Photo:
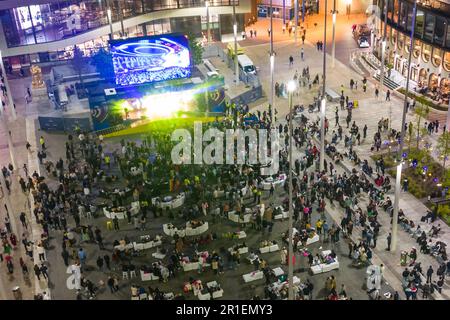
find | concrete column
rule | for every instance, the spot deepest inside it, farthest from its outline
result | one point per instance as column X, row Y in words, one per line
column 296, row 20
column 447, row 127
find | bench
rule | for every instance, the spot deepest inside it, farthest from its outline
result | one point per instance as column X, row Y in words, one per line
column 332, row 95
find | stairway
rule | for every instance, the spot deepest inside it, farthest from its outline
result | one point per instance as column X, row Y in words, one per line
column 388, row 82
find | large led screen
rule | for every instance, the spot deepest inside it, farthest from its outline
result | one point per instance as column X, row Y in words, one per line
column 150, row 59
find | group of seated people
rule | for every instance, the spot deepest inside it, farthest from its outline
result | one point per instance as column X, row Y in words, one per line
column 320, row 259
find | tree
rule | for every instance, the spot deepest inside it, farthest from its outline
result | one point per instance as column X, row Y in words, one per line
column 196, row 49
column 102, row 61
column 78, row 63
column 421, row 112
column 443, row 146
column 410, row 133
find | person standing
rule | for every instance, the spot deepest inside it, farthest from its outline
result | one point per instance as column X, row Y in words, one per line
column 100, row 263
column 116, row 223
column 389, row 239
column 430, row 272
column 107, row 261
column 65, row 256
column 302, row 54
column 388, row 95
column 37, row 271
column 42, row 142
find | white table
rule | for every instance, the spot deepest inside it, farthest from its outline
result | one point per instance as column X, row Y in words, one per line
column 196, row 231
column 172, row 231
column 278, row 182
column 242, row 235
column 147, row 276
column 235, row 217
column 272, row 248
column 206, row 296
column 325, row 267
column 243, row 250
column 278, row 271
column 158, row 255
column 110, row 214
column 252, row 276
column 175, row 202
column 125, row 247
column 216, row 294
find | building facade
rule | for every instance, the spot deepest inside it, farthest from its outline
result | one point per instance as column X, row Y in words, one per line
column 45, row 31
column 430, row 64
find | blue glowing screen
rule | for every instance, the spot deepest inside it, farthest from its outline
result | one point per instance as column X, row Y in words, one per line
column 150, row 59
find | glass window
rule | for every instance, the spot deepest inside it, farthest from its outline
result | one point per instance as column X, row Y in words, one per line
column 410, row 18
column 407, row 43
column 403, row 15
column 417, row 45
column 426, row 52
column 437, row 57
column 420, row 19
column 394, row 36
column 396, row 11
column 429, row 27
column 447, row 42
column 446, row 63
column 390, row 9
column 400, row 42
column 439, row 31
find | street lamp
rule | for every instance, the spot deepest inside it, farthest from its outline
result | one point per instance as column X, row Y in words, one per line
column 208, row 36
column 296, row 20
column 395, row 213
column 291, row 87
column 322, row 129
column 349, row 4
column 272, row 66
column 110, row 23
column 236, row 65
column 333, row 49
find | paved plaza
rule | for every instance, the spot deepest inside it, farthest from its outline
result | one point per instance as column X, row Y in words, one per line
column 369, row 112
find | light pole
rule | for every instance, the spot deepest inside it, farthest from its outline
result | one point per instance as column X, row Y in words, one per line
column 236, row 64
column 272, row 66
column 402, row 136
column 323, row 103
column 333, row 49
column 291, row 88
column 108, row 11
column 349, row 8
column 383, row 49
column 296, row 21
column 208, row 35
column 8, row 90
column 395, row 213
column 405, row 102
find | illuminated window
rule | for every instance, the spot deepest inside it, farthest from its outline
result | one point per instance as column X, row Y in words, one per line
column 417, row 45
column 437, row 57
column 446, row 63
column 426, row 52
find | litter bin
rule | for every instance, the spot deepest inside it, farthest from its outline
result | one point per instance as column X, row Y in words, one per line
column 17, row 293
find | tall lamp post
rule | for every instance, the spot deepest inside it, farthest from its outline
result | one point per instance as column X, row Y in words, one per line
column 349, row 8
column 296, row 20
column 291, row 88
column 333, row 49
column 402, row 137
column 272, row 66
column 236, row 64
column 108, row 11
column 208, row 34
column 8, row 90
column 383, row 50
column 323, row 103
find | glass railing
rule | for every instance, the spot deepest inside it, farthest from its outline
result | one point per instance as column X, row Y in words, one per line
column 51, row 22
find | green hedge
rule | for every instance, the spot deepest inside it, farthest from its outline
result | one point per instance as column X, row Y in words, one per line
column 423, row 100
